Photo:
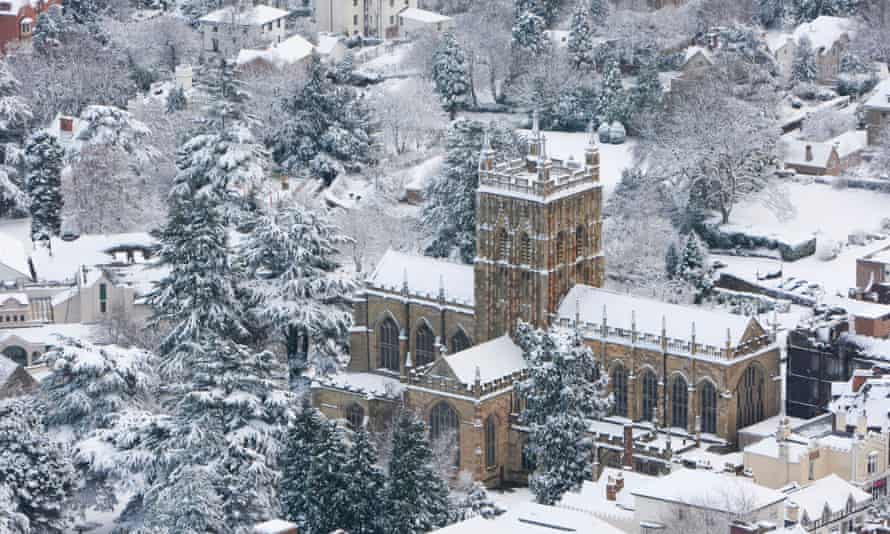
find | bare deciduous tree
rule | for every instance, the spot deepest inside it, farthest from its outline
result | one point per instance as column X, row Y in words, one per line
column 410, row 117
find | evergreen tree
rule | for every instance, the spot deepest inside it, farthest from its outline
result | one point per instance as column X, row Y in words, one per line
column 15, row 114
column 449, row 213
column 529, row 38
column 48, row 31
column 693, row 266
column 228, row 415
column 176, row 100
column 477, row 502
column 114, row 127
column 580, row 44
column 343, row 71
column 770, row 12
column 564, row 390
column 365, row 486
column 291, row 253
column 85, row 12
column 416, row 496
column 672, row 261
column 11, row 521
column 43, row 159
column 302, row 439
column 189, row 505
column 326, row 128
column 450, row 73
column 36, row 469
column 803, row 65
column 612, row 105
column 599, row 12
column 647, row 95
column 327, row 482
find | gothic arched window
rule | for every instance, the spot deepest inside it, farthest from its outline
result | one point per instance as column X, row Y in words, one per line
column 424, row 345
column 444, row 423
column 355, row 416
column 708, row 409
column 679, row 402
column 580, row 241
column 503, row 246
column 525, row 249
column 619, row 390
column 750, row 397
column 459, row 341
column 388, row 344
column 491, row 441
column 650, row 394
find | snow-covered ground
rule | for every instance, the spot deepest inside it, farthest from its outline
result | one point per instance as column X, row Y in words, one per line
column 816, row 209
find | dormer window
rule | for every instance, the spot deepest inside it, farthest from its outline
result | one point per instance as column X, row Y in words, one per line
column 26, row 25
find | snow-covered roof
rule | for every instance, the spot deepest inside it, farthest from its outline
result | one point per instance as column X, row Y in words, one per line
column 18, row 299
column 274, row 526
column 16, row 5
column 795, row 152
column 770, row 447
column 880, row 97
column 12, row 255
column 327, row 43
column 621, row 310
column 777, row 39
column 63, row 259
column 859, row 308
column 707, row 489
column 533, row 518
column 831, row 491
column 768, row 426
column 424, row 277
column 422, row 15
column 824, row 31
column 48, row 334
column 591, row 497
column 251, row 16
column 871, row 401
column 493, row 359
column 693, row 51
column 292, row 50
column 370, row 384
column 7, row 367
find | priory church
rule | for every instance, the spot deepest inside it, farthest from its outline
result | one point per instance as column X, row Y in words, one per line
column 432, row 335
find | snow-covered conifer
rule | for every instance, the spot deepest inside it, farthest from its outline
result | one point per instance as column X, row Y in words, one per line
column 564, row 390
column 580, row 43
column 672, row 260
column 770, row 12
column 296, row 461
column 36, row 469
column 477, row 502
column 612, row 104
column 14, row 110
column 416, row 496
column 176, row 100
column 365, row 486
column 111, row 126
column 291, row 255
column 693, row 265
column 450, row 210
column 325, row 129
column 647, row 95
column 450, row 73
column 803, row 65
column 43, row 159
column 11, row 520
column 344, row 68
column 190, row 504
column 528, row 34
column 599, row 12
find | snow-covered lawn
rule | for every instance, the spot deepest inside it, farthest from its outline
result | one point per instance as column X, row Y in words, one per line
column 613, row 158
column 818, row 209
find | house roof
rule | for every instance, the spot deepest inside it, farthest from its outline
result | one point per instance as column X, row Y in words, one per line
column 621, row 309
column 424, row 276
column 422, row 15
column 46, row 334
column 844, row 144
column 251, row 16
column 327, row 43
column 19, row 298
column 16, row 5
column 63, row 259
column 292, row 50
column 707, row 489
column 770, row 448
column 880, row 97
column 824, row 31
column 831, row 491
column 533, row 518
column 591, row 497
column 693, row 51
column 493, row 359
column 12, row 255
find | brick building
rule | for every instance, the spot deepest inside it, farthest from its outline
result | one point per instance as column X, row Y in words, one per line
column 18, row 19
column 433, row 335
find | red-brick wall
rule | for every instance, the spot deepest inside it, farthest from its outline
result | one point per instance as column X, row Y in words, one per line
column 10, row 26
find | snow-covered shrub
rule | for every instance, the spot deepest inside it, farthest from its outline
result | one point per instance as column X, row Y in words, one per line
column 805, row 90
column 840, row 183
column 858, row 237
column 827, row 249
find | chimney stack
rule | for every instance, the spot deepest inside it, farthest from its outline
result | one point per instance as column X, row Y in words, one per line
column 619, row 482
column 611, row 490
column 808, row 155
column 628, row 460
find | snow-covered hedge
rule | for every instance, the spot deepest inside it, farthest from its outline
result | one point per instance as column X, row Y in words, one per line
column 718, row 237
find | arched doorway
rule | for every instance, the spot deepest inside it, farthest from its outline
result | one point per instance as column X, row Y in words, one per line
column 16, row 354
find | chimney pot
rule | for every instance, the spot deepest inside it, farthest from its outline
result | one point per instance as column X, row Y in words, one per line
column 809, row 153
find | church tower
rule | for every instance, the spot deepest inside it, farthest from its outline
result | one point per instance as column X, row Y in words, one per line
column 538, row 233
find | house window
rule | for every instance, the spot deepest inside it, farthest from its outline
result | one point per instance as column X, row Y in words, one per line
column 491, row 441
column 424, row 346
column 355, row 20
column 103, row 298
column 278, row 23
column 388, row 345
column 26, row 26
column 811, row 470
column 355, row 416
column 872, row 463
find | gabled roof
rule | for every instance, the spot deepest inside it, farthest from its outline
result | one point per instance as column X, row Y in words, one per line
column 422, row 15
column 831, row 492
column 292, row 50
column 710, row 325
column 493, row 359
column 251, row 16
column 425, row 276
column 710, row 490
column 533, row 518
column 880, row 97
column 12, row 255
